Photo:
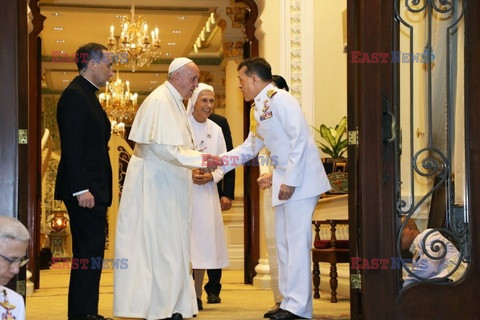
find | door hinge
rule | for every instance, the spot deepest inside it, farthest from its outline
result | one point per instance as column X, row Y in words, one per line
column 21, row 287
column 22, row 136
column 356, row 281
column 353, row 138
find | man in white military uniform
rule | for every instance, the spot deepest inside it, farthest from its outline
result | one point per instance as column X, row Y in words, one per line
column 298, row 180
column 153, row 228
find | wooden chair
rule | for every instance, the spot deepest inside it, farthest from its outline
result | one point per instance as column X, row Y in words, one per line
column 332, row 251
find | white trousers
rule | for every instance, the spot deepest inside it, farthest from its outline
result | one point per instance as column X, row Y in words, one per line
column 269, row 223
column 293, row 232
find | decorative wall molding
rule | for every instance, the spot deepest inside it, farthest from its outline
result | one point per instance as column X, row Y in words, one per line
column 301, row 48
column 233, row 49
column 295, row 37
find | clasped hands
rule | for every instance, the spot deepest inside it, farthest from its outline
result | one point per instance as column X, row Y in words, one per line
column 265, row 181
column 201, row 176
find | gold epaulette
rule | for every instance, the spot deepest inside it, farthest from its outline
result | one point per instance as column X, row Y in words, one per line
column 271, row 93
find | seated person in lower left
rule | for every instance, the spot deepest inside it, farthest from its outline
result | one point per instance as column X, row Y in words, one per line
column 14, row 239
column 437, row 264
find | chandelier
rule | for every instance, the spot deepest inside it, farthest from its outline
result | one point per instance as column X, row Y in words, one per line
column 135, row 47
column 119, row 104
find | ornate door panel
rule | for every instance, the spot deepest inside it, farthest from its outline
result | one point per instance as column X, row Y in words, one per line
column 414, row 99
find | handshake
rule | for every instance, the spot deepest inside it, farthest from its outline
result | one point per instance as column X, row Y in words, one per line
column 211, row 162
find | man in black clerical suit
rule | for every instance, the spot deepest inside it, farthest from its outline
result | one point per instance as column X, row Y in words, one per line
column 226, row 189
column 84, row 178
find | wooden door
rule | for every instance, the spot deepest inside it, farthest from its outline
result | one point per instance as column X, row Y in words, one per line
column 375, row 96
column 13, row 116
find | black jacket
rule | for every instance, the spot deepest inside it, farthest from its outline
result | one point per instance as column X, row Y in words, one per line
column 84, row 133
column 226, row 186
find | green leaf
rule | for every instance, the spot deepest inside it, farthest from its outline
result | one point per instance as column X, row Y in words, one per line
column 343, row 144
column 327, row 135
column 327, row 150
column 341, row 129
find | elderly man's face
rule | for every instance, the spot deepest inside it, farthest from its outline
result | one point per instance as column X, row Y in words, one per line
column 187, row 80
column 11, row 250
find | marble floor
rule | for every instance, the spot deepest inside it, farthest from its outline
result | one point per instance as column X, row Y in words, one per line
column 239, row 301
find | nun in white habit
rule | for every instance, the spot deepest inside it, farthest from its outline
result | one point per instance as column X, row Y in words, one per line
column 208, row 245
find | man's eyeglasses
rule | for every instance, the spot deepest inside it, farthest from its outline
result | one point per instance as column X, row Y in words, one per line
column 21, row 261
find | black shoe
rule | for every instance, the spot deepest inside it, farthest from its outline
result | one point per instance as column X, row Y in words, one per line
column 199, row 304
column 285, row 315
column 213, row 298
column 274, row 310
column 175, row 316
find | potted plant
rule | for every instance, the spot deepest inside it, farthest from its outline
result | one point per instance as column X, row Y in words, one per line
column 335, row 146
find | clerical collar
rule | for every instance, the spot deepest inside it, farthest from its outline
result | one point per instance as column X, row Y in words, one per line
column 93, row 84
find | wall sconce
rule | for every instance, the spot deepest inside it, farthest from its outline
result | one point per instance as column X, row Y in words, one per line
column 58, row 222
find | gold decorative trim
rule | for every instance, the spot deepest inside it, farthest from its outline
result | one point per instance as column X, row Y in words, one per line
column 236, row 15
column 233, row 49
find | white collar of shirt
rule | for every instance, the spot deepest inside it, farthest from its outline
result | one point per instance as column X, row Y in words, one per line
column 90, row 82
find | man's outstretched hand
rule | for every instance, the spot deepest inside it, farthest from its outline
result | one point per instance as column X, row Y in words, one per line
column 211, row 162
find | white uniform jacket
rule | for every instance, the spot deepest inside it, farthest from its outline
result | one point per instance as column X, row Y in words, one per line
column 283, row 129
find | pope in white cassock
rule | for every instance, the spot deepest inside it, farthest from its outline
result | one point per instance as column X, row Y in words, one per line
column 154, row 215
column 208, row 245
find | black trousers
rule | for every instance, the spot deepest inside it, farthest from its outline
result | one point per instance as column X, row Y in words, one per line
column 88, row 242
column 213, row 286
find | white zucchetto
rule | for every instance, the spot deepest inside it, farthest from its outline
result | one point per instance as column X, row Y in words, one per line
column 177, row 63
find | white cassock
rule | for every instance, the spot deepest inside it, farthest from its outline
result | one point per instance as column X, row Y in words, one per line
column 208, row 245
column 285, row 132
column 154, row 215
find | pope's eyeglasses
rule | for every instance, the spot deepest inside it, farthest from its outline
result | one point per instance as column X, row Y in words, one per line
column 21, row 261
